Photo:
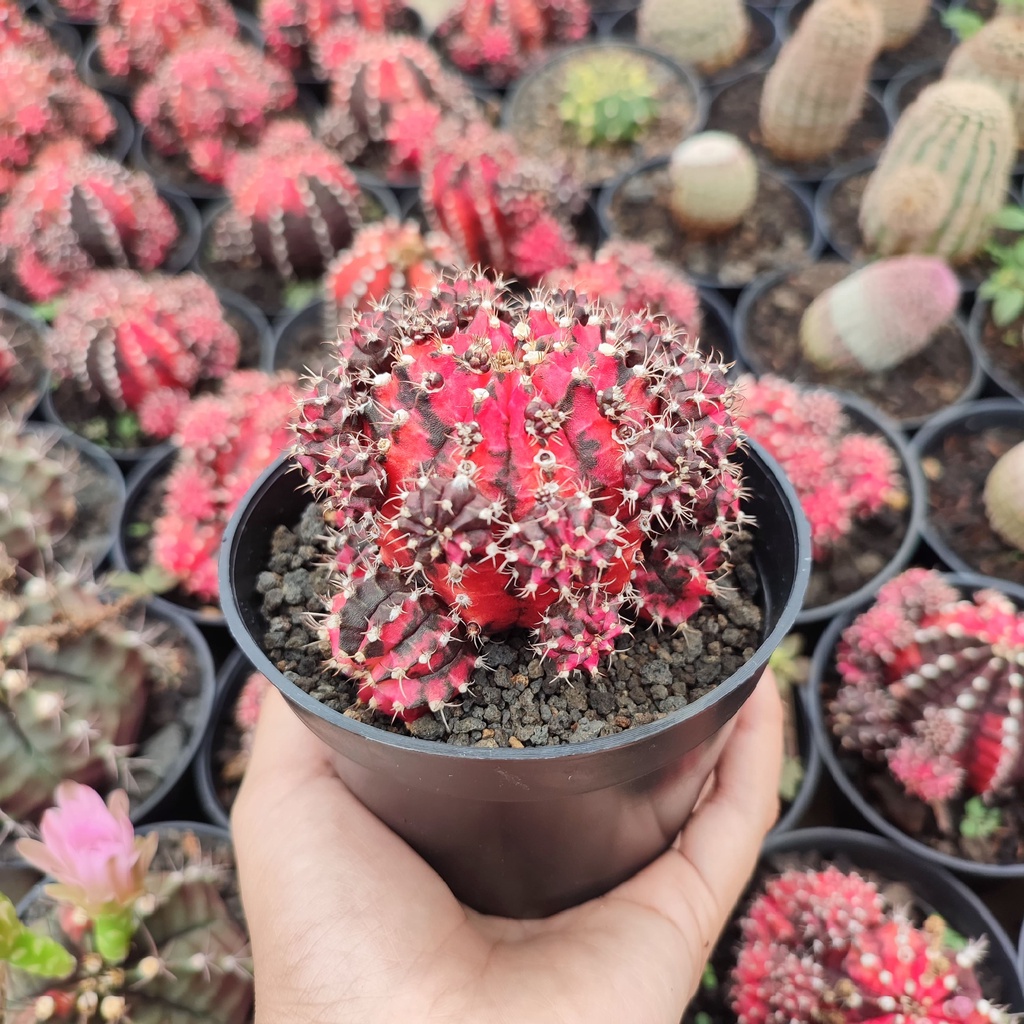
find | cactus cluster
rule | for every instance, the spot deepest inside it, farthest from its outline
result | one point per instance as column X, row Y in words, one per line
column 1004, row 497
column 76, row 211
column 932, row 685
column 880, row 315
column 495, row 461
column 714, row 179
column 711, row 36
column 210, row 98
column 826, row 946
column 224, row 442
column 840, row 476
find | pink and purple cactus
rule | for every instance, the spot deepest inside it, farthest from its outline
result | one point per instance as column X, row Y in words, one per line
column 496, row 461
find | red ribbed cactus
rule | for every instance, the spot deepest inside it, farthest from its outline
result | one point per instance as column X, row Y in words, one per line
column 210, row 98
column 131, row 340
column 495, row 461
column 839, row 476
column 76, row 211
column 825, row 946
column 294, row 204
column 932, row 684
column 17, row 30
column 497, row 39
column 136, row 35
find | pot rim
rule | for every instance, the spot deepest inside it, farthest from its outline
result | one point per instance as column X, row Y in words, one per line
column 975, row 326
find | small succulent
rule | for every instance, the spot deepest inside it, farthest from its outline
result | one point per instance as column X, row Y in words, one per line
column 714, row 179
column 1004, row 497
column 1004, row 287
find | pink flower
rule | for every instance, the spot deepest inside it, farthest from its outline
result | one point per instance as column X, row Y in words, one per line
column 91, row 849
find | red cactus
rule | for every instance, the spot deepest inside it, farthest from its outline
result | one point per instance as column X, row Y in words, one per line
column 385, row 259
column 42, row 100
column 224, row 442
column 824, row 946
column 840, row 477
column 502, row 211
column 127, row 339
column 211, row 98
column 294, row 204
column 497, row 39
column 77, row 211
column 249, row 702
column 629, row 276
column 933, row 685
column 136, row 35
column 498, row 461
column 17, row 30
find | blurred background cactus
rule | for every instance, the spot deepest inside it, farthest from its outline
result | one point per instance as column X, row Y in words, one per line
column 711, row 36
column 901, row 20
column 1004, row 497
column 714, row 179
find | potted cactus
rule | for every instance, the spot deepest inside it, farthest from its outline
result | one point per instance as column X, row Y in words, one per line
column 23, row 372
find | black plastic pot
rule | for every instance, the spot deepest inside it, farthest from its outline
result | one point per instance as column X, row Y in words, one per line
column 66, row 38
column 900, row 90
column 23, row 404
column 751, row 360
column 190, row 227
column 793, row 815
column 53, row 14
column 526, row 833
column 815, row 245
column 969, row 418
column 1001, row 381
column 290, row 329
column 717, row 317
column 17, row 878
column 121, row 142
column 194, row 187
column 920, row 852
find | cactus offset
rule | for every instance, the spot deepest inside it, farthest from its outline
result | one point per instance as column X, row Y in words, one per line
column 933, row 685
column 127, row 340
column 711, row 36
column 497, row 461
column 714, row 180
column 224, row 442
column 815, row 90
column 76, row 211
column 384, row 259
column 1004, row 497
column 880, row 315
column 930, row 192
column 825, row 946
column 840, row 477
column 498, row 39
column 211, row 98
column 901, row 20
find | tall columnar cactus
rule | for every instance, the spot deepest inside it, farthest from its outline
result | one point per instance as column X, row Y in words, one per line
column 826, row 946
column 901, row 20
column 134, row 341
column 76, row 211
column 496, row 461
column 628, row 276
column 143, row 924
column 1004, row 497
column 497, row 39
column 710, row 36
column 714, row 180
column 384, row 259
column 42, row 100
column 224, row 442
column 375, row 82
column 210, row 98
column 943, row 175
column 815, row 90
column 880, row 315
column 932, row 685
column 294, row 204
column 840, row 476
column 502, row 210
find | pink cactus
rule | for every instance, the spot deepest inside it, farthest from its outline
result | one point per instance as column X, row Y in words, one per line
column 18, row 31
column 499, row 461
column 76, row 211
column 248, row 704
column 932, row 684
column 211, row 98
column 840, row 477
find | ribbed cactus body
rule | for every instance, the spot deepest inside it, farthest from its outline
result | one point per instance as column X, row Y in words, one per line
column 1004, row 497
column 714, row 182
column 815, row 90
column 710, row 35
column 944, row 174
column 901, row 20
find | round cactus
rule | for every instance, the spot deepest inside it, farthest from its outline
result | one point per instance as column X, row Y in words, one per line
column 714, row 181
column 711, row 36
column 1004, row 497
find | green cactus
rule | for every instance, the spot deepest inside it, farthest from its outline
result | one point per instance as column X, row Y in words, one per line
column 1004, row 497
column 901, row 20
column 714, row 182
column 711, row 34
column 816, row 88
column 607, row 97
column 943, row 177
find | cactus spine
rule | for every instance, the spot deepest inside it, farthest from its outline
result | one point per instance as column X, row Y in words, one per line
column 714, row 182
column 815, row 90
column 1004, row 497
column 944, row 174
column 712, row 36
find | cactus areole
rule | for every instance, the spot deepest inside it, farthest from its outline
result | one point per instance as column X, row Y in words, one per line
column 497, row 462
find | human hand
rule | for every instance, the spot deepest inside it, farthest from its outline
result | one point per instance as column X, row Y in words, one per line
column 350, row 926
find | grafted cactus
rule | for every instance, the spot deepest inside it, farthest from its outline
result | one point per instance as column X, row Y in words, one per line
column 710, row 36
column 930, row 193
column 901, row 20
column 18, row 31
column 211, row 98
column 1004, row 497
column 815, row 90
column 76, row 211
column 714, row 180
column 495, row 461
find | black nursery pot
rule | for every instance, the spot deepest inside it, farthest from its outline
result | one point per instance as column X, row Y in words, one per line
column 190, row 230
column 120, row 144
column 292, row 340
column 1004, row 382
column 37, row 379
column 921, row 854
column 526, row 833
column 192, row 185
column 716, row 329
column 793, row 815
